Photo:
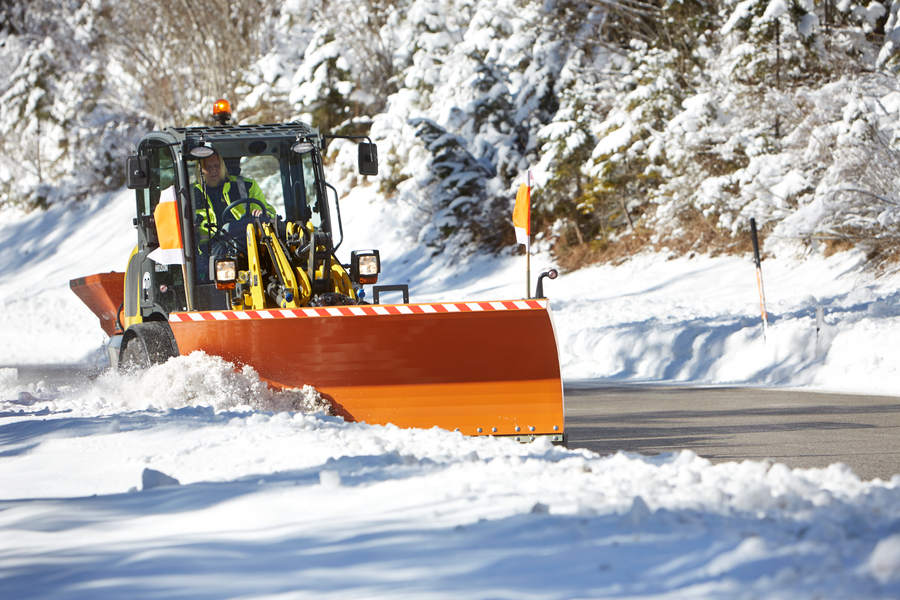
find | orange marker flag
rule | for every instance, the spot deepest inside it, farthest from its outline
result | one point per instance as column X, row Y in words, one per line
column 522, row 214
column 171, row 246
column 522, row 224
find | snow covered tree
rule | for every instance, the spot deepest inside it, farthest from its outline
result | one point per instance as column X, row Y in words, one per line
column 326, row 84
column 457, row 188
column 31, row 139
column 176, row 59
column 60, row 129
column 630, row 66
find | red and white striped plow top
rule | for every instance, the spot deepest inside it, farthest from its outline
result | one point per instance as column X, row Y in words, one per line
column 358, row 310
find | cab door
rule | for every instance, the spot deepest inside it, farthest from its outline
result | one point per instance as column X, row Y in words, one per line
column 153, row 290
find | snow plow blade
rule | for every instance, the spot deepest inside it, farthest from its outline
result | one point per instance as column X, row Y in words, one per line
column 482, row 368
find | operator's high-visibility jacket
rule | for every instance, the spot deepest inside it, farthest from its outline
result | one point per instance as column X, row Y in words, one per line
column 208, row 207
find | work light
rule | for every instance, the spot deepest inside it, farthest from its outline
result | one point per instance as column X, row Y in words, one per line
column 365, row 265
column 225, row 271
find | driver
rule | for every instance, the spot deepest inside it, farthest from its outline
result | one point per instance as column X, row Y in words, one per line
column 220, row 190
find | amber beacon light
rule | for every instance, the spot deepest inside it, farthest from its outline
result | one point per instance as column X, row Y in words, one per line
column 222, row 112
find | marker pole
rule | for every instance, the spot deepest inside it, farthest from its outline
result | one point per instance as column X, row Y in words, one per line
column 528, row 271
column 529, row 181
column 759, row 278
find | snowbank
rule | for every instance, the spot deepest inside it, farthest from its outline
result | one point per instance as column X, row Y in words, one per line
column 102, row 499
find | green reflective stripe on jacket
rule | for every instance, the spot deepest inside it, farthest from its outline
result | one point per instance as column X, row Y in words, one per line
column 253, row 191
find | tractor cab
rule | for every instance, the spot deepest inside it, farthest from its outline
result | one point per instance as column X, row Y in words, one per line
column 265, row 183
column 262, row 234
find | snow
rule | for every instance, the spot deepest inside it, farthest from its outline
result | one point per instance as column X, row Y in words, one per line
column 195, row 480
column 191, row 480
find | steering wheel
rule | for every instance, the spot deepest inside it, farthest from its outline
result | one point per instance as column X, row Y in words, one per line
column 222, row 235
column 227, row 214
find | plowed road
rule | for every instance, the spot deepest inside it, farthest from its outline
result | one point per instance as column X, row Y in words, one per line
column 799, row 429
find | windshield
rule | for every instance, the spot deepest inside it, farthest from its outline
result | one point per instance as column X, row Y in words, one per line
column 275, row 176
column 260, row 177
column 266, row 172
column 245, row 180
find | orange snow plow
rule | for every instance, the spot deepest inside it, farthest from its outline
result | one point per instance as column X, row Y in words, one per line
column 254, row 277
column 481, row 368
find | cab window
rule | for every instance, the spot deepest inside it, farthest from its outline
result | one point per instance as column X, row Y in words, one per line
column 311, row 193
column 162, row 177
column 266, row 172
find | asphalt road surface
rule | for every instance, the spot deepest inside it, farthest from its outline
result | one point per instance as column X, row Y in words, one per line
column 799, row 429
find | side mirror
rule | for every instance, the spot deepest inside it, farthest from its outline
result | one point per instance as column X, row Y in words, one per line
column 137, row 172
column 368, row 159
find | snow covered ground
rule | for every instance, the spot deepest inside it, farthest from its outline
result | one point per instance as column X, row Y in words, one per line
column 171, row 485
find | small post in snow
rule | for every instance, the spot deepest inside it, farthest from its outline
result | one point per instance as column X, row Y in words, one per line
column 759, row 278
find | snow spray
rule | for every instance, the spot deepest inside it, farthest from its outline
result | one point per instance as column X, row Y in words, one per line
column 759, row 279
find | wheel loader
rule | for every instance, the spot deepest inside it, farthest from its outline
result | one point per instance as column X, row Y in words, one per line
column 264, row 286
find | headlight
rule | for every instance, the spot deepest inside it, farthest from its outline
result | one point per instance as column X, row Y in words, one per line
column 225, row 273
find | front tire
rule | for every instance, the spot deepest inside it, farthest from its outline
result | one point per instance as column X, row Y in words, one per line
column 145, row 345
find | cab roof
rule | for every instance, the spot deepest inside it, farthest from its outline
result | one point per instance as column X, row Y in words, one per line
column 234, row 132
